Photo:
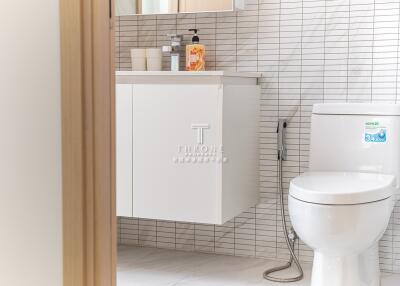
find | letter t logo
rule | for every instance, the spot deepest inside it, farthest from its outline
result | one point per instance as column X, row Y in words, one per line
column 200, row 128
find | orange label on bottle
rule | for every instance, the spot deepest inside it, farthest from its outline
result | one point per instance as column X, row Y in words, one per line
column 195, row 57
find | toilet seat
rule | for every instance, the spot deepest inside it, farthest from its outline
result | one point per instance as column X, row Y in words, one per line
column 342, row 188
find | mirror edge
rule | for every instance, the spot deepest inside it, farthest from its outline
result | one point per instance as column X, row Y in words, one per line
column 237, row 5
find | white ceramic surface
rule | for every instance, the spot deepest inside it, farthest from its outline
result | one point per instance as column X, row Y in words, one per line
column 338, row 142
column 342, row 187
column 341, row 217
column 344, row 239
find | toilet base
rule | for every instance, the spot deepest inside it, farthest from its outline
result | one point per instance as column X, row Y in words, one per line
column 351, row 270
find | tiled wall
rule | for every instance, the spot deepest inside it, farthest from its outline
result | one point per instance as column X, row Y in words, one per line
column 308, row 51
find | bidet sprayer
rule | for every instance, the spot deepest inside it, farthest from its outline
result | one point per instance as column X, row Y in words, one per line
column 281, row 130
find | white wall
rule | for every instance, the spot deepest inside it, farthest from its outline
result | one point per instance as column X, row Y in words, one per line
column 30, row 142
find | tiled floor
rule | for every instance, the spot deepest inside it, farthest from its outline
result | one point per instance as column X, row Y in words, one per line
column 159, row 267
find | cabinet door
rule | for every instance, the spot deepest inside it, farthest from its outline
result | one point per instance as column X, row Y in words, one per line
column 168, row 122
column 124, row 149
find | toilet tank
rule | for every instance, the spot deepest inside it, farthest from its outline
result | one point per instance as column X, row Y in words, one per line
column 358, row 137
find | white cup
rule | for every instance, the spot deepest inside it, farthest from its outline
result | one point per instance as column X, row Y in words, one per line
column 153, row 52
column 138, row 58
column 154, row 64
column 138, row 53
column 154, row 59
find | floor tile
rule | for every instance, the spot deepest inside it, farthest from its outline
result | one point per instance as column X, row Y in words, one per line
column 139, row 266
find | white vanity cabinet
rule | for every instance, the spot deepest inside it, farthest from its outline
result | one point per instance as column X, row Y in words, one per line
column 187, row 145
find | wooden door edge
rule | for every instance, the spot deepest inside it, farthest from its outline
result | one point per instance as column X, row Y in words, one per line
column 87, row 85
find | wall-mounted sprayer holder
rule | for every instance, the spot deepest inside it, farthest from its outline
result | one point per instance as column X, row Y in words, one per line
column 281, row 130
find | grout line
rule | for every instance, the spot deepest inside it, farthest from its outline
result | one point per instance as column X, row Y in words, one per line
column 276, row 162
column 236, row 41
column 139, row 231
column 373, row 50
column 258, row 50
column 348, row 53
column 324, row 67
column 397, row 54
column 300, row 107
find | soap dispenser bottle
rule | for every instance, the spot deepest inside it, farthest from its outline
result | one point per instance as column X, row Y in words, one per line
column 195, row 54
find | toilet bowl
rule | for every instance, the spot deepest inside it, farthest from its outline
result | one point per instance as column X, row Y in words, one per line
column 342, row 216
column 342, row 205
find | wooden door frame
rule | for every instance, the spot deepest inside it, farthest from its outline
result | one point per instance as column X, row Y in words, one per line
column 87, row 98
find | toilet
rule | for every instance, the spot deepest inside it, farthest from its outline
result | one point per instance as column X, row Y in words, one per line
column 341, row 207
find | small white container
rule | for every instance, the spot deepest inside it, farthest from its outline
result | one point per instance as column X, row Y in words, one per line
column 154, row 59
column 138, row 58
column 153, row 52
column 138, row 53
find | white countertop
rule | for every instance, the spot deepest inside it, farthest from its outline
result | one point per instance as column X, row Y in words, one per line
column 187, row 73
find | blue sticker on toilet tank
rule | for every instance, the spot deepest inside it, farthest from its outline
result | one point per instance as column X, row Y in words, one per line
column 375, row 132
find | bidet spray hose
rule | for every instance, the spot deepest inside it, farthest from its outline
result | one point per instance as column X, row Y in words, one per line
column 289, row 243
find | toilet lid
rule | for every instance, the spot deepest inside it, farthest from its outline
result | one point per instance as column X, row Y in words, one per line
column 342, row 187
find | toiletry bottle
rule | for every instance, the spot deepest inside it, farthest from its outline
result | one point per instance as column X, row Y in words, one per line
column 195, row 54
